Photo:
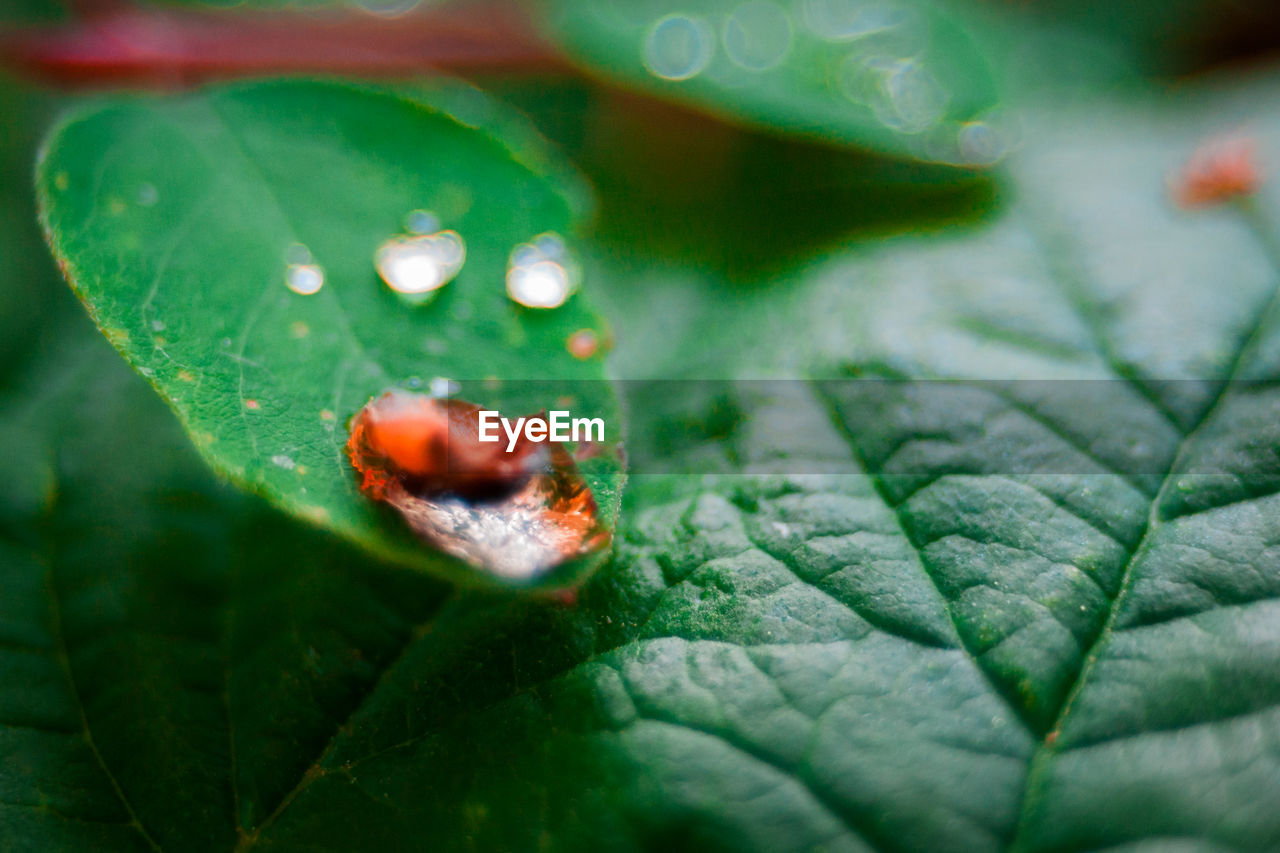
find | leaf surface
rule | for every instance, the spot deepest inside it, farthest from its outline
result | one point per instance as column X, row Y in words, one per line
column 176, row 221
column 975, row 619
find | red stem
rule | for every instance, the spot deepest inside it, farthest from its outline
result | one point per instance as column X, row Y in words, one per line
column 114, row 45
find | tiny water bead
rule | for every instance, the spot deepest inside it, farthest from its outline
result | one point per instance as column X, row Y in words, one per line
column 421, row 222
column 416, row 267
column 848, row 20
column 902, row 93
column 301, row 274
column 678, row 47
column 515, row 514
column 541, row 273
column 305, row 279
column 757, row 35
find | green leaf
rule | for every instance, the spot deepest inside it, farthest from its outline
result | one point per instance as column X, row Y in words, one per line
column 173, row 220
column 943, row 651
column 903, row 80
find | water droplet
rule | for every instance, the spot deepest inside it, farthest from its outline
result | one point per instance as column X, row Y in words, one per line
column 541, row 273
column 980, row 143
column 282, row 461
column 513, row 514
column 148, row 195
column 846, row 20
column 299, row 329
column 421, row 222
column 296, row 253
column 388, row 8
column 901, row 92
column 252, row 405
column 416, row 267
column 158, row 326
column 678, row 47
column 306, row 279
column 326, row 415
column 442, row 387
column 757, row 35
column 583, row 344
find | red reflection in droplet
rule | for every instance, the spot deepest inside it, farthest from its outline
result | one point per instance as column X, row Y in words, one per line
column 1219, row 170
column 516, row 514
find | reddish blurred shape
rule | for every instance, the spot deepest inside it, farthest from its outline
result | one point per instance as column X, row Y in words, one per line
column 154, row 47
column 1220, row 169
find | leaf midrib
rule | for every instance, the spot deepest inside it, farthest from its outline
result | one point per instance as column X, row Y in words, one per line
column 1046, row 748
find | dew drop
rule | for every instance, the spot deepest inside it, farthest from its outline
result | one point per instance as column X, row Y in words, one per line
column 541, row 273
column 421, row 222
column 296, row 253
column 980, row 144
column 388, row 8
column 158, row 326
column 306, row 279
column 252, row 405
column 282, row 461
column 902, row 93
column 757, row 35
column 846, row 20
column 416, row 267
column 513, row 514
column 678, row 47
column 442, row 387
column 148, row 195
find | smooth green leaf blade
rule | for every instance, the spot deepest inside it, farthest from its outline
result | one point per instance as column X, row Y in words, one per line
column 173, row 220
column 903, row 80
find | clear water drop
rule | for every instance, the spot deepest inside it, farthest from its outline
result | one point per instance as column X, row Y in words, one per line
column 388, row 8
column 416, row 267
column 678, row 47
column 846, row 20
column 981, row 144
column 757, row 35
column 902, row 93
column 442, row 387
column 421, row 222
column 296, row 253
column 542, row 273
column 304, row 279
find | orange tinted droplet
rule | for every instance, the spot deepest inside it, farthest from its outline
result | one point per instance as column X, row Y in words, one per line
column 583, row 344
column 1220, row 169
column 514, row 513
column 252, row 405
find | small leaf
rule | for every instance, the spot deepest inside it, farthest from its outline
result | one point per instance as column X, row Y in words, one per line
column 225, row 243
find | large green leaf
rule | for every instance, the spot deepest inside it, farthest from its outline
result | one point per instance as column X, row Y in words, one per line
column 173, row 219
column 1076, row 651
